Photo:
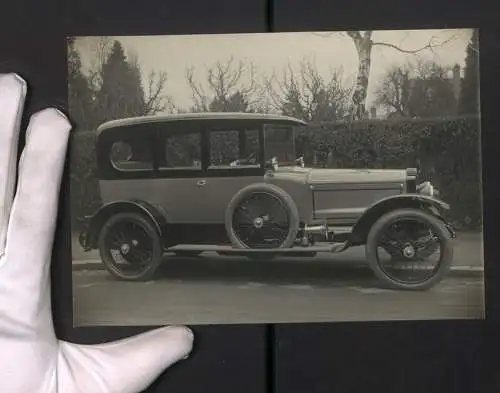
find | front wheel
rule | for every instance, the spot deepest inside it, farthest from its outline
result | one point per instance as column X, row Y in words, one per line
column 130, row 247
column 409, row 249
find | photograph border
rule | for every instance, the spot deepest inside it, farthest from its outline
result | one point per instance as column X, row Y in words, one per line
column 472, row 204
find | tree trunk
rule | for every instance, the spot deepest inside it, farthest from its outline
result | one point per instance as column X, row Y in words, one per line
column 364, row 46
column 361, row 87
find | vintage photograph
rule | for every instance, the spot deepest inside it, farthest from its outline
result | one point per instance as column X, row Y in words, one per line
column 270, row 178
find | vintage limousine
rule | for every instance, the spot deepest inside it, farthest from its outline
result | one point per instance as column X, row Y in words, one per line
column 233, row 183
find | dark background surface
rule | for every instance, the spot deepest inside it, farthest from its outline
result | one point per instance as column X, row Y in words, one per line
column 448, row 356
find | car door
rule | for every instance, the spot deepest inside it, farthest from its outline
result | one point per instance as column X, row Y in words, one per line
column 234, row 161
column 181, row 173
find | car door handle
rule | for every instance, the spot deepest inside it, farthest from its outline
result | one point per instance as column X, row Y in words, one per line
column 200, row 183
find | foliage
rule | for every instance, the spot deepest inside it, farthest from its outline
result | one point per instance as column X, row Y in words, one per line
column 79, row 90
column 470, row 85
column 446, row 152
column 84, row 186
column 112, row 87
column 121, row 93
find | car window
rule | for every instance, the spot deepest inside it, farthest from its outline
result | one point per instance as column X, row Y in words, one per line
column 182, row 151
column 280, row 143
column 132, row 154
column 234, row 149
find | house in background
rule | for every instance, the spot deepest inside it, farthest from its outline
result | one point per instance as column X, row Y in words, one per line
column 435, row 96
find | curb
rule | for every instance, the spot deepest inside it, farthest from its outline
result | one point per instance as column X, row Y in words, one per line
column 88, row 265
column 456, row 271
column 467, row 271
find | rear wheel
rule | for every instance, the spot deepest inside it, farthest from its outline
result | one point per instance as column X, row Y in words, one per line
column 262, row 216
column 130, row 247
column 409, row 249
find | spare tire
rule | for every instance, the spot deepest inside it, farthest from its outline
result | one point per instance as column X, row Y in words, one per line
column 262, row 216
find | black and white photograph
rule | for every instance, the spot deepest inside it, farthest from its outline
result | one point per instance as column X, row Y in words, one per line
column 327, row 176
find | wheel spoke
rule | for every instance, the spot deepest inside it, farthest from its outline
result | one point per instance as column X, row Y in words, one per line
column 261, row 221
column 245, row 216
column 134, row 247
column 409, row 251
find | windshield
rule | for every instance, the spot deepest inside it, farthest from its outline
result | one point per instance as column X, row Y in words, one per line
column 279, row 142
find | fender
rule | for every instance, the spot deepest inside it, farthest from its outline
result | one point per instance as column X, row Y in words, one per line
column 88, row 238
column 362, row 227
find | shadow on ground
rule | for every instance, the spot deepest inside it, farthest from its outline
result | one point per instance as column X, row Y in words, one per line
column 315, row 272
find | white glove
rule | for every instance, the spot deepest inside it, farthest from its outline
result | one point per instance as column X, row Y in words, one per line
column 32, row 359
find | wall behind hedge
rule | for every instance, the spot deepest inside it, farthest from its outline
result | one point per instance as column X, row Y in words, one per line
column 446, row 151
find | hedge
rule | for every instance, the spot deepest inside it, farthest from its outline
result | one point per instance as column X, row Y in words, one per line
column 446, row 151
column 84, row 186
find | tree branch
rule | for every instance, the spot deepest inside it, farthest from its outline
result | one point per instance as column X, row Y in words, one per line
column 153, row 95
column 355, row 35
column 430, row 45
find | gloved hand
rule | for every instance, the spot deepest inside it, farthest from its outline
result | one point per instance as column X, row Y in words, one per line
column 32, row 359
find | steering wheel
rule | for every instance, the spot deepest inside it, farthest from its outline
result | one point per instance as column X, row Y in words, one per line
column 251, row 159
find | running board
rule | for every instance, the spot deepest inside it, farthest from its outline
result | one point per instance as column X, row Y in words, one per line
column 297, row 250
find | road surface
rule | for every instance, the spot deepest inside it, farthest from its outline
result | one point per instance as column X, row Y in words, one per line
column 213, row 289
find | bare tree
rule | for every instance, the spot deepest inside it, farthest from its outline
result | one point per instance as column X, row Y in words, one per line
column 394, row 91
column 100, row 51
column 306, row 94
column 364, row 46
column 228, row 86
column 155, row 98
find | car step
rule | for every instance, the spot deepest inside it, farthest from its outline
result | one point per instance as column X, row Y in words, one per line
column 297, row 250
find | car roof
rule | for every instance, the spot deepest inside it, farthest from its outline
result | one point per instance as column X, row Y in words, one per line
column 192, row 116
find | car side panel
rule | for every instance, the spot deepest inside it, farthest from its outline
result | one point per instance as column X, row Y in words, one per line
column 216, row 194
column 200, row 200
column 344, row 203
column 299, row 190
column 180, row 198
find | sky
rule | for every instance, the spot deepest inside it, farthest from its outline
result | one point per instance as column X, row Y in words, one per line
column 272, row 52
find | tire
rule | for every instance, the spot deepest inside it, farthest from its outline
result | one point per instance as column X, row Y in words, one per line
column 270, row 191
column 439, row 229
column 186, row 253
column 142, row 227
